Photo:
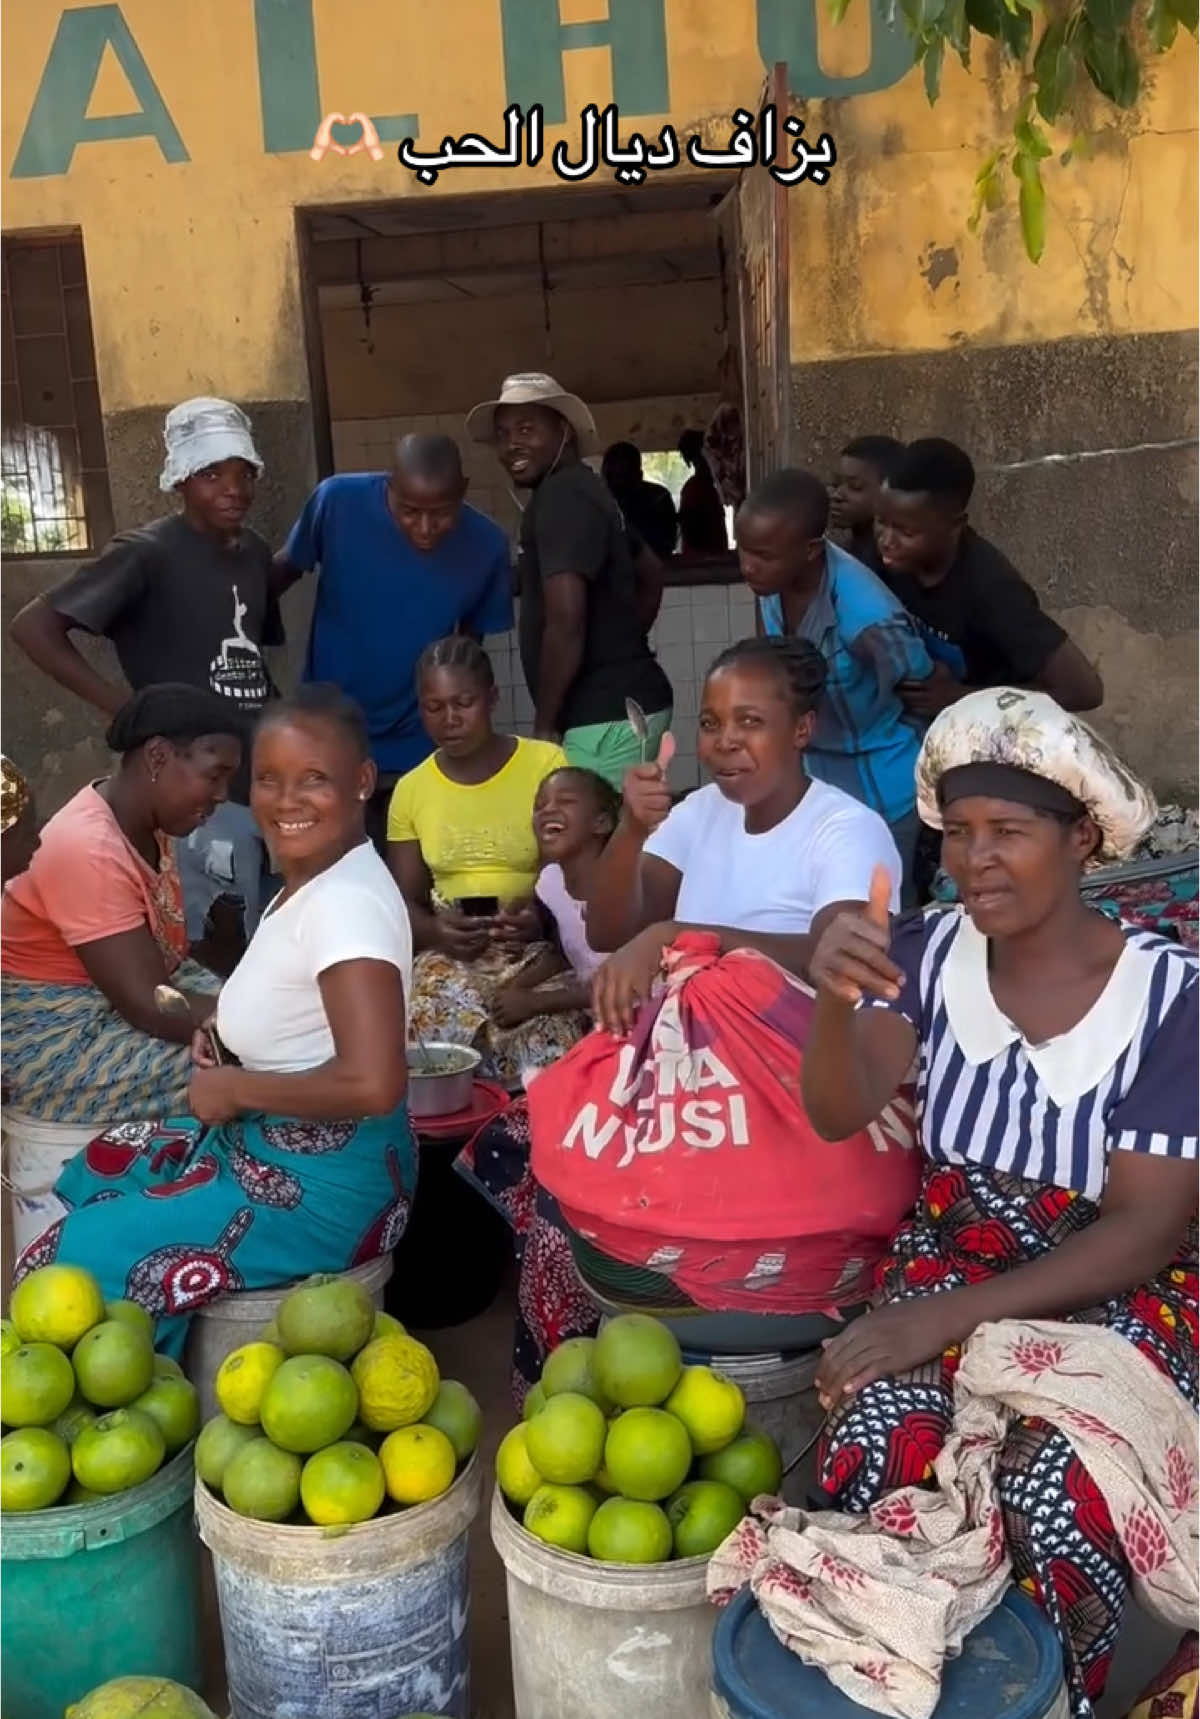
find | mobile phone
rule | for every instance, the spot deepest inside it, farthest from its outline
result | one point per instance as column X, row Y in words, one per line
column 479, row 906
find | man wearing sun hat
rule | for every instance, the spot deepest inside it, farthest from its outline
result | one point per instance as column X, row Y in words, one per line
column 582, row 629
column 185, row 598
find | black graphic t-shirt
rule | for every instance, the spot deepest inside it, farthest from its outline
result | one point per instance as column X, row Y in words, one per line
column 179, row 606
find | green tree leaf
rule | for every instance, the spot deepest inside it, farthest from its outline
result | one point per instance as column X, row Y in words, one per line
column 931, row 66
column 1162, row 24
column 1107, row 17
column 1113, row 67
column 988, row 191
column 838, row 9
column 1032, row 205
column 1054, row 66
column 1186, row 12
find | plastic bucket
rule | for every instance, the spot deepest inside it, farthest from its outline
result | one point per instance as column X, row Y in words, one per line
column 97, row 1591
column 223, row 1325
column 35, row 1156
column 601, row 1641
column 781, row 1399
column 1010, row 1668
column 372, row 1621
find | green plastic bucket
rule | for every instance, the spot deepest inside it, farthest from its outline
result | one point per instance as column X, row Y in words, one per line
column 97, row 1591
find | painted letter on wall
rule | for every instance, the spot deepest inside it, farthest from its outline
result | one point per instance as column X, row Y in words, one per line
column 58, row 121
column 635, row 33
column 289, row 86
column 787, row 30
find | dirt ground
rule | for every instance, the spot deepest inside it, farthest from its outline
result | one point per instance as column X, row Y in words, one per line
column 479, row 1354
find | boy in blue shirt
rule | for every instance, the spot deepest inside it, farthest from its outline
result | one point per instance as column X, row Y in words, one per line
column 865, row 741
column 403, row 561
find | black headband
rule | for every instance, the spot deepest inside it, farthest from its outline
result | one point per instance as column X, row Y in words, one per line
column 1008, row 782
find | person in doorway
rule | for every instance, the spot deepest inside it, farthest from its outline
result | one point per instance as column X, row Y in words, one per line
column 187, row 598
column 96, row 922
column 297, row 1156
column 1056, row 1099
column 648, row 507
column 582, row 628
column 862, row 466
column 701, row 512
column 980, row 619
column 404, row 560
column 462, row 849
column 725, row 436
column 864, row 741
column 18, row 821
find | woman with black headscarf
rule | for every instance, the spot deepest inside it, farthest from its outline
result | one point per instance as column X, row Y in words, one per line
column 96, row 922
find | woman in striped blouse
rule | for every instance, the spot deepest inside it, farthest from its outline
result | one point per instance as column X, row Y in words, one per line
column 1056, row 1055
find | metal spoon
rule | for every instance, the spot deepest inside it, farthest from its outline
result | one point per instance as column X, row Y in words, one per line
column 636, row 718
column 169, row 1001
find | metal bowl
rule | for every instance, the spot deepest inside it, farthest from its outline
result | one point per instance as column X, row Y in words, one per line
column 440, row 1079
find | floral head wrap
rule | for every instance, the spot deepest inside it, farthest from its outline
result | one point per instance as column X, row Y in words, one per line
column 1030, row 735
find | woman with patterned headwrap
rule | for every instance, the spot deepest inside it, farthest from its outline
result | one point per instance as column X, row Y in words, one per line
column 18, row 821
column 1057, row 1097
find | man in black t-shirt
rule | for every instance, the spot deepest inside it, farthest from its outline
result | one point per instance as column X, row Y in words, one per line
column 981, row 621
column 186, row 598
column 585, row 611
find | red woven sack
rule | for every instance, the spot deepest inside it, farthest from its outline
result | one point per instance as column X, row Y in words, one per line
column 686, row 1148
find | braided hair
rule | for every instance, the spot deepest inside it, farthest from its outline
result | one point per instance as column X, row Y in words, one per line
column 458, row 651
column 799, row 666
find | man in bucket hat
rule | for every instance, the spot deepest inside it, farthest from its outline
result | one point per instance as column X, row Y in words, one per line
column 185, row 598
column 583, row 619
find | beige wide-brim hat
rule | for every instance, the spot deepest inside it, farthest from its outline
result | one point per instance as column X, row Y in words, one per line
column 534, row 388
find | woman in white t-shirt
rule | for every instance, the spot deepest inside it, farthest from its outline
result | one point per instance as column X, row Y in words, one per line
column 298, row 1156
column 765, row 856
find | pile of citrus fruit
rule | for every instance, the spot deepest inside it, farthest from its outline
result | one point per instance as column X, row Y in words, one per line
column 626, row 1455
column 89, row 1408
column 334, row 1415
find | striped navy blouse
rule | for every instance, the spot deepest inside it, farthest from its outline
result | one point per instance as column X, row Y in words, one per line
column 1124, row 1079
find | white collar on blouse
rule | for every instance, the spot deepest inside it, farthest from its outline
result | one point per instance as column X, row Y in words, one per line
column 1075, row 1061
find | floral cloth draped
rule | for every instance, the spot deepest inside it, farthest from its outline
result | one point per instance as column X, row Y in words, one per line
column 879, row 1601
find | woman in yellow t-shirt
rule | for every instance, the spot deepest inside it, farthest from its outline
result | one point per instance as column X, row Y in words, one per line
column 461, row 846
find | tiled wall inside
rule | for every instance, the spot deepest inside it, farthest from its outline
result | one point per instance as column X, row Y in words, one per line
column 695, row 623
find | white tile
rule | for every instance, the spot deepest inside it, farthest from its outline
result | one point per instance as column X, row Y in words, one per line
column 522, row 705
column 677, row 597
column 711, row 627
column 741, row 604
column 685, row 699
column 677, row 662
column 673, row 628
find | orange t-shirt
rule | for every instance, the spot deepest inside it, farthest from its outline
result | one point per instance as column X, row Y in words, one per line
column 85, row 882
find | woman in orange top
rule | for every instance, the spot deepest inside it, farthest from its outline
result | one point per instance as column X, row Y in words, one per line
column 96, row 923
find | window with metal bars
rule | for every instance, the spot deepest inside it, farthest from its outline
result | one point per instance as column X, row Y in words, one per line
column 53, row 463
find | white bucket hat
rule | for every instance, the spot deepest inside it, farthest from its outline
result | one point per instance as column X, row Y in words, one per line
column 202, row 432
column 535, row 388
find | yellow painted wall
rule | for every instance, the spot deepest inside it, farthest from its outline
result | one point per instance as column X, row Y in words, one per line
column 192, row 264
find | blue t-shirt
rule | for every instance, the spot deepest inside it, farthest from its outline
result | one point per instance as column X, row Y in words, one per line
column 380, row 602
column 865, row 742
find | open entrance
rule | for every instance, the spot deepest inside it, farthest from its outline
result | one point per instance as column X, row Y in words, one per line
column 649, row 305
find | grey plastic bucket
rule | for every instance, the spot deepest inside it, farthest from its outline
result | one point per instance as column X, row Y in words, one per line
column 224, row 1325
column 337, row 1626
column 592, row 1640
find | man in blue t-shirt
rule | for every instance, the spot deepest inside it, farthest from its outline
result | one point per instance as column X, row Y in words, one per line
column 403, row 561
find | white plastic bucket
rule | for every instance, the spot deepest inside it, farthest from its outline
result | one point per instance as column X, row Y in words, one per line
column 35, row 1156
column 592, row 1640
column 221, row 1326
column 372, row 1619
